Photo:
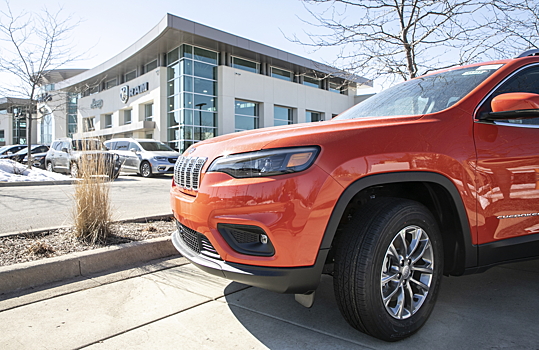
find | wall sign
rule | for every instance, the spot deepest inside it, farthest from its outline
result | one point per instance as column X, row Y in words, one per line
column 96, row 104
column 126, row 92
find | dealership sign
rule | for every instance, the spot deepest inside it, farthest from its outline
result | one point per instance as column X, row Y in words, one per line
column 126, row 92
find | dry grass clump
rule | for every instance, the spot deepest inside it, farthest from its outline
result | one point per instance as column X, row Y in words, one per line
column 92, row 211
column 41, row 248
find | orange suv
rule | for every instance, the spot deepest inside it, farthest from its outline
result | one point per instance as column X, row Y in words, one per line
column 435, row 176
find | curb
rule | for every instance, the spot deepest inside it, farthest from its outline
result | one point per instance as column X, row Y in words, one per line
column 36, row 183
column 35, row 273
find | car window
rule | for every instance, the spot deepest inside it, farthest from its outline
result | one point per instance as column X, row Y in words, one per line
column 133, row 145
column 153, row 146
column 110, row 145
column 526, row 80
column 122, row 146
column 422, row 95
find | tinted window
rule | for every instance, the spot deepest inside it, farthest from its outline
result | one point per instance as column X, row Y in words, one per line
column 134, row 146
column 154, row 146
column 122, row 146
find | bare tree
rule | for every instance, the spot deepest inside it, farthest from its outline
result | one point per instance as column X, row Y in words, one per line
column 36, row 43
column 405, row 38
column 522, row 24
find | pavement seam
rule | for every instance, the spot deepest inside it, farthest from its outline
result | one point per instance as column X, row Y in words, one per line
column 100, row 284
column 302, row 326
column 210, row 300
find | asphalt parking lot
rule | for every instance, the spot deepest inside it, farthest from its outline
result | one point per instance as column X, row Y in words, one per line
column 170, row 304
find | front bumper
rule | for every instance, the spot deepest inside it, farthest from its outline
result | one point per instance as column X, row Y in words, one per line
column 295, row 280
column 162, row 167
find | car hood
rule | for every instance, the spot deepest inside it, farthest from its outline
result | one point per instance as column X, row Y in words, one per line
column 307, row 134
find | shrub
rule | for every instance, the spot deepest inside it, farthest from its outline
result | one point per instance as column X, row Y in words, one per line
column 92, row 211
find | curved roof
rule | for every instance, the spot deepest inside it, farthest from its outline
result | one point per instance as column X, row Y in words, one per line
column 172, row 31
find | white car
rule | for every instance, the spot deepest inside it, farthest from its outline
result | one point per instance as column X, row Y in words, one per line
column 143, row 156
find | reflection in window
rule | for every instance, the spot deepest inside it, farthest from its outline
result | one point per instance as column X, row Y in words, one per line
column 309, row 81
column 281, row 74
column 282, row 116
column 246, row 115
column 313, row 116
column 249, row 66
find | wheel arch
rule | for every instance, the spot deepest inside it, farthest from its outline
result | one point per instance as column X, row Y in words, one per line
column 433, row 190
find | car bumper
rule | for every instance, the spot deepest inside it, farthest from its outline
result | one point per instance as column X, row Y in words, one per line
column 162, row 167
column 296, row 280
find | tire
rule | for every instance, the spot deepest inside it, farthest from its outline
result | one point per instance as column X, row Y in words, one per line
column 50, row 167
column 378, row 264
column 145, row 169
column 74, row 170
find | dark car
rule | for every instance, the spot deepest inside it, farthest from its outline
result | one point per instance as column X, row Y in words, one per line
column 38, row 160
column 10, row 149
column 23, row 153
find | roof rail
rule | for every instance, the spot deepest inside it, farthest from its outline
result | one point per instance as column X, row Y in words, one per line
column 533, row 52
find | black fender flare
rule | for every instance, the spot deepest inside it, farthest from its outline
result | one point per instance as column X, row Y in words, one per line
column 470, row 250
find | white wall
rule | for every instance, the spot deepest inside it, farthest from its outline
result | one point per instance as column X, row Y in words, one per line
column 269, row 92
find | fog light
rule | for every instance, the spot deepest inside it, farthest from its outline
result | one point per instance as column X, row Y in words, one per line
column 247, row 239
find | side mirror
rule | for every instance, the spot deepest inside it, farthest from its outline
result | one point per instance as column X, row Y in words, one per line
column 133, row 150
column 513, row 105
column 64, row 150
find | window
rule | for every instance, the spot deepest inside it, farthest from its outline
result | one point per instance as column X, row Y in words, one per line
column 148, row 111
column 108, row 120
column 111, row 83
column 246, row 115
column 337, row 88
column 309, row 81
column 150, row 66
column 93, row 90
column 122, row 146
column 89, row 124
column 282, row 116
column 191, row 95
column 127, row 116
column 526, row 80
column 2, row 136
column 313, row 116
column 130, row 75
column 249, row 66
column 281, row 74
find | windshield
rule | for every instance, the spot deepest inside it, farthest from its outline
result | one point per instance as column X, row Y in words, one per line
column 155, row 146
column 423, row 95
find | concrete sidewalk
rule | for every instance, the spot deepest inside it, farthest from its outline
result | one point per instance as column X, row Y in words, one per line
column 170, row 304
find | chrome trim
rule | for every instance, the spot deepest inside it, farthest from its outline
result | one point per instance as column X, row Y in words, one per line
column 187, row 171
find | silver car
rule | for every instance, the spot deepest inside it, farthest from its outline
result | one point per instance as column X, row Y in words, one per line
column 143, row 156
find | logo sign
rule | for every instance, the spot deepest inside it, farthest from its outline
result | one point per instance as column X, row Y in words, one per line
column 96, row 104
column 126, row 92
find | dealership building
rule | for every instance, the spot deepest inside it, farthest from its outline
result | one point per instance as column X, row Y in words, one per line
column 184, row 82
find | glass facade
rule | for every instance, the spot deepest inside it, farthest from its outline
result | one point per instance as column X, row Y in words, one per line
column 192, row 90
column 46, row 129
column 71, row 108
column 246, row 115
column 282, row 116
column 19, row 126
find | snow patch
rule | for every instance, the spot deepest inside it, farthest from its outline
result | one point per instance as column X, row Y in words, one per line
column 11, row 171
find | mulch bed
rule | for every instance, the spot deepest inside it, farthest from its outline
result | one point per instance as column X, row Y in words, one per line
column 29, row 247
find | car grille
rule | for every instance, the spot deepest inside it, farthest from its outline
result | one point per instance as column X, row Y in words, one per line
column 187, row 172
column 197, row 242
column 172, row 160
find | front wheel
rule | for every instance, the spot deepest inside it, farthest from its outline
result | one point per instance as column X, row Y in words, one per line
column 388, row 268
column 145, row 169
column 49, row 167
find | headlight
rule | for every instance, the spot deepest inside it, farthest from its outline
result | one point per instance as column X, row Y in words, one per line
column 266, row 163
column 160, row 159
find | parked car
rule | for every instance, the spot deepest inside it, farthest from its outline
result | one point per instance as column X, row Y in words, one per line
column 438, row 175
column 38, row 160
column 21, row 154
column 65, row 155
column 143, row 156
column 10, row 149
